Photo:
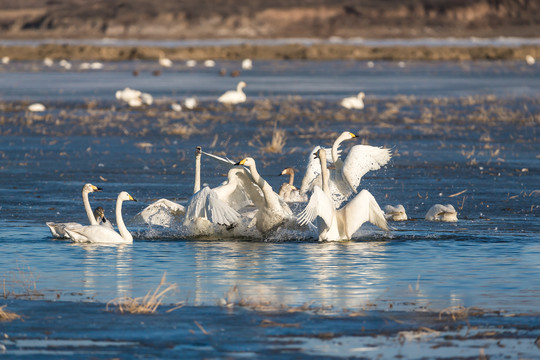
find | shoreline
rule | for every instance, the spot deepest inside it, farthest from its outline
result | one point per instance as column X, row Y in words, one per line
column 318, row 51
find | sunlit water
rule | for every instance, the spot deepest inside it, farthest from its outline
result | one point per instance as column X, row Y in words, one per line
column 488, row 259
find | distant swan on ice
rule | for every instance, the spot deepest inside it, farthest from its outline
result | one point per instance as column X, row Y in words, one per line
column 440, row 212
column 36, row 107
column 101, row 234
column 234, row 96
column 333, row 224
column 354, row 102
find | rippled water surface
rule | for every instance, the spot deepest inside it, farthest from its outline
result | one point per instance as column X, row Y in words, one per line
column 469, row 129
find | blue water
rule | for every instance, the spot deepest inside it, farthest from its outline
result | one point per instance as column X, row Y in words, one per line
column 453, row 127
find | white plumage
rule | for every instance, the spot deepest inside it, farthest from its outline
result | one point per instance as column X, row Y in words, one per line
column 354, row 102
column 335, row 225
column 395, row 213
column 36, row 107
column 288, row 191
column 102, row 235
column 234, row 96
column 440, row 212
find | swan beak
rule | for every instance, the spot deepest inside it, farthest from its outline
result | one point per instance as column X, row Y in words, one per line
column 132, row 198
column 95, row 188
column 242, row 162
column 315, row 155
column 353, row 135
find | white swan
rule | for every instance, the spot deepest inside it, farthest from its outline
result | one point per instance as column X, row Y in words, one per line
column 210, row 206
column 247, row 64
column 288, row 191
column 347, row 175
column 395, row 213
column 234, row 96
column 36, row 107
column 5, row 60
column 57, row 229
column 440, row 212
column 273, row 211
column 134, row 98
column 335, row 225
column 354, row 102
column 190, row 103
column 48, row 62
column 163, row 61
column 209, row 63
column 101, row 234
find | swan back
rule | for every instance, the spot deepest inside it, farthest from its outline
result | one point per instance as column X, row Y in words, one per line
column 395, row 213
column 440, row 212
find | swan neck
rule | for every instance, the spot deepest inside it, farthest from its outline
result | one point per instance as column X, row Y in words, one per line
column 335, row 147
column 120, row 221
column 239, row 88
column 88, row 209
column 324, row 174
column 197, row 185
column 291, row 178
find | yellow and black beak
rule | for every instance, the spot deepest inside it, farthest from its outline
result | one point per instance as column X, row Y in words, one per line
column 242, row 162
column 95, row 188
column 353, row 135
column 132, row 198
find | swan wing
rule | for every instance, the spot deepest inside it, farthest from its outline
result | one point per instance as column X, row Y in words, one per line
column 319, row 205
column 224, row 160
column 95, row 234
column 360, row 160
column 57, row 229
column 361, row 209
column 106, row 223
column 206, row 204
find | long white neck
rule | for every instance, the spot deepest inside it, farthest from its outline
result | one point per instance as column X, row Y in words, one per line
column 325, row 176
column 120, row 222
column 239, row 88
column 197, row 185
column 335, row 147
column 269, row 198
column 291, row 178
column 88, row 209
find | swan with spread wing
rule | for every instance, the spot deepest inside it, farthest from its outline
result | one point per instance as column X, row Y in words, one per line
column 333, row 224
column 345, row 178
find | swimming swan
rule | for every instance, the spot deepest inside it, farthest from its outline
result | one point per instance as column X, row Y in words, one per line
column 288, row 191
column 395, row 213
column 234, row 96
column 335, row 225
column 440, row 212
column 347, row 175
column 101, row 234
column 354, row 102
column 57, row 229
column 272, row 211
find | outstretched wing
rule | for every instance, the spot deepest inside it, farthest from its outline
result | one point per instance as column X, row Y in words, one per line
column 319, row 205
column 363, row 208
column 361, row 159
column 224, row 160
column 206, row 204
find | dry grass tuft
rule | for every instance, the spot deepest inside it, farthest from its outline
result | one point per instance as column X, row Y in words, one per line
column 147, row 304
column 278, row 142
column 7, row 315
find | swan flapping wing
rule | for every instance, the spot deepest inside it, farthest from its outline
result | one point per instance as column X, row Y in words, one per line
column 206, row 204
column 364, row 208
column 362, row 159
column 319, row 205
column 224, row 160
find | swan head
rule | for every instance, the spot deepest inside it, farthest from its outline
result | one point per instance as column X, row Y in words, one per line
column 88, row 188
column 361, row 95
column 241, row 85
column 198, row 151
column 99, row 213
column 287, row 171
column 125, row 196
column 246, row 162
column 320, row 154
